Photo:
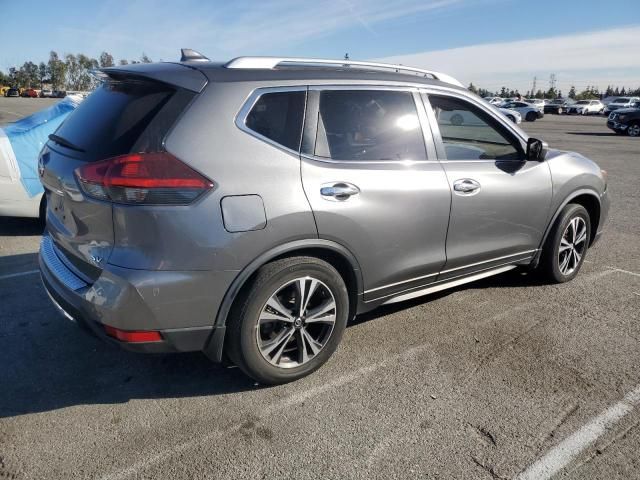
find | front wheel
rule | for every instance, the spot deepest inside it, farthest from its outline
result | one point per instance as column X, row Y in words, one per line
column 289, row 320
column 567, row 244
column 531, row 117
column 634, row 130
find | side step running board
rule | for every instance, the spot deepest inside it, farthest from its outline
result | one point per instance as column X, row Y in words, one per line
column 450, row 284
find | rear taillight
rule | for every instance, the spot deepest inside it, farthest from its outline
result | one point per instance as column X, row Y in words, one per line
column 142, row 179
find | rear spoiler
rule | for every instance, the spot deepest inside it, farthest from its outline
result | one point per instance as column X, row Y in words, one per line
column 174, row 74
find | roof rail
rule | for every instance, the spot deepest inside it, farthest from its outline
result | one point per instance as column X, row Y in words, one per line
column 270, row 63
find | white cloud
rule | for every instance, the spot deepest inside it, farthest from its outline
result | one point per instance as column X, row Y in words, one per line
column 593, row 58
column 223, row 29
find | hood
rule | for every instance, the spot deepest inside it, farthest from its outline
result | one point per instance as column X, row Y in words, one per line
column 627, row 110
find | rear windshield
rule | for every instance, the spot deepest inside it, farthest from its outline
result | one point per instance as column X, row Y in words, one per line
column 112, row 119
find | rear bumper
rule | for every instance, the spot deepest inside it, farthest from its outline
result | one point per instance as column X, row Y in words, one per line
column 172, row 303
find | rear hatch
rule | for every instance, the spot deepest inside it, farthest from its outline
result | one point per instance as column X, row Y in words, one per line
column 130, row 113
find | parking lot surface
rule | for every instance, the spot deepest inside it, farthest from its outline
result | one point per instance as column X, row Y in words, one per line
column 13, row 108
column 501, row 378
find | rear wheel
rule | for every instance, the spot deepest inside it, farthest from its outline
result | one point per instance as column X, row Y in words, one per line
column 634, row 129
column 566, row 246
column 531, row 117
column 289, row 320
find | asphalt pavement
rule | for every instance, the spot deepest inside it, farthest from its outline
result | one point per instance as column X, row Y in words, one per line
column 501, row 378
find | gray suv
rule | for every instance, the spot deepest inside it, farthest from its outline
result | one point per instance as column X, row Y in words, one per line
column 250, row 209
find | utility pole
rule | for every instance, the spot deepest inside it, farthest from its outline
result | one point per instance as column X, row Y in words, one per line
column 533, row 89
column 552, row 82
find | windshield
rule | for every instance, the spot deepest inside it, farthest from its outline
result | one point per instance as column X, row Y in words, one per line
column 621, row 100
column 583, row 102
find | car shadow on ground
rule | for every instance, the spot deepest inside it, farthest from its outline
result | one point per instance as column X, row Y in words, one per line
column 48, row 363
column 20, row 227
column 594, row 134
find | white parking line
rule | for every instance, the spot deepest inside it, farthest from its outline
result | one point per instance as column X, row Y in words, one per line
column 624, row 271
column 562, row 454
column 21, row 274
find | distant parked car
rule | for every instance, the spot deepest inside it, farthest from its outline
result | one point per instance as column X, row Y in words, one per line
column 626, row 120
column 59, row 94
column 528, row 111
column 558, row 105
column 620, row 102
column 536, row 102
column 494, row 100
column 586, row 107
column 12, row 92
column 512, row 115
column 29, row 93
column 46, row 93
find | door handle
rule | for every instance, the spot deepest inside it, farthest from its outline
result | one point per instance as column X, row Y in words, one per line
column 338, row 191
column 466, row 186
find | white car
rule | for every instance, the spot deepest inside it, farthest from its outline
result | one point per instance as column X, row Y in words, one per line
column 526, row 110
column 586, row 107
column 21, row 193
column 494, row 100
column 512, row 115
column 620, row 102
column 536, row 102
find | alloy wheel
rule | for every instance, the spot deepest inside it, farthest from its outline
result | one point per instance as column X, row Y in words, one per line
column 296, row 322
column 573, row 244
column 634, row 130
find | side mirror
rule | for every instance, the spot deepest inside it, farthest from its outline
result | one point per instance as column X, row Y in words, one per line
column 536, row 150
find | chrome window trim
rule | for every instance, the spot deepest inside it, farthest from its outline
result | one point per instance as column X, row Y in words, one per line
column 253, row 97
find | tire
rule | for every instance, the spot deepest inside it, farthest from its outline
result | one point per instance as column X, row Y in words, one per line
column 531, row 117
column 275, row 348
column 510, row 117
column 633, row 130
column 559, row 110
column 42, row 211
column 457, row 120
column 558, row 266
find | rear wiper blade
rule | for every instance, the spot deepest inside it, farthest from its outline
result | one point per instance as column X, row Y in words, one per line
column 65, row 143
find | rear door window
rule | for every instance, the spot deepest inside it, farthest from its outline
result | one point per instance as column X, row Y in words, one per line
column 278, row 116
column 365, row 125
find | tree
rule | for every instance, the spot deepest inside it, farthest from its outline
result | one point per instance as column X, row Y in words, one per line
column 42, row 73
column 57, row 71
column 106, row 60
column 472, row 88
column 572, row 92
column 144, row 58
column 73, row 71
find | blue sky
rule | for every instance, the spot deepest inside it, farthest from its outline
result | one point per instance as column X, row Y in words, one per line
column 489, row 42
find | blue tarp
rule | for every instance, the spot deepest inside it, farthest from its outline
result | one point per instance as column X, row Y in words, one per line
column 28, row 135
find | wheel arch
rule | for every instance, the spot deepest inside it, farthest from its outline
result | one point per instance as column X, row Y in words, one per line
column 332, row 252
column 590, row 200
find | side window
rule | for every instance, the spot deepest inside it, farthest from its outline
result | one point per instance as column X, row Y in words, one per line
column 468, row 133
column 369, row 125
column 278, row 116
